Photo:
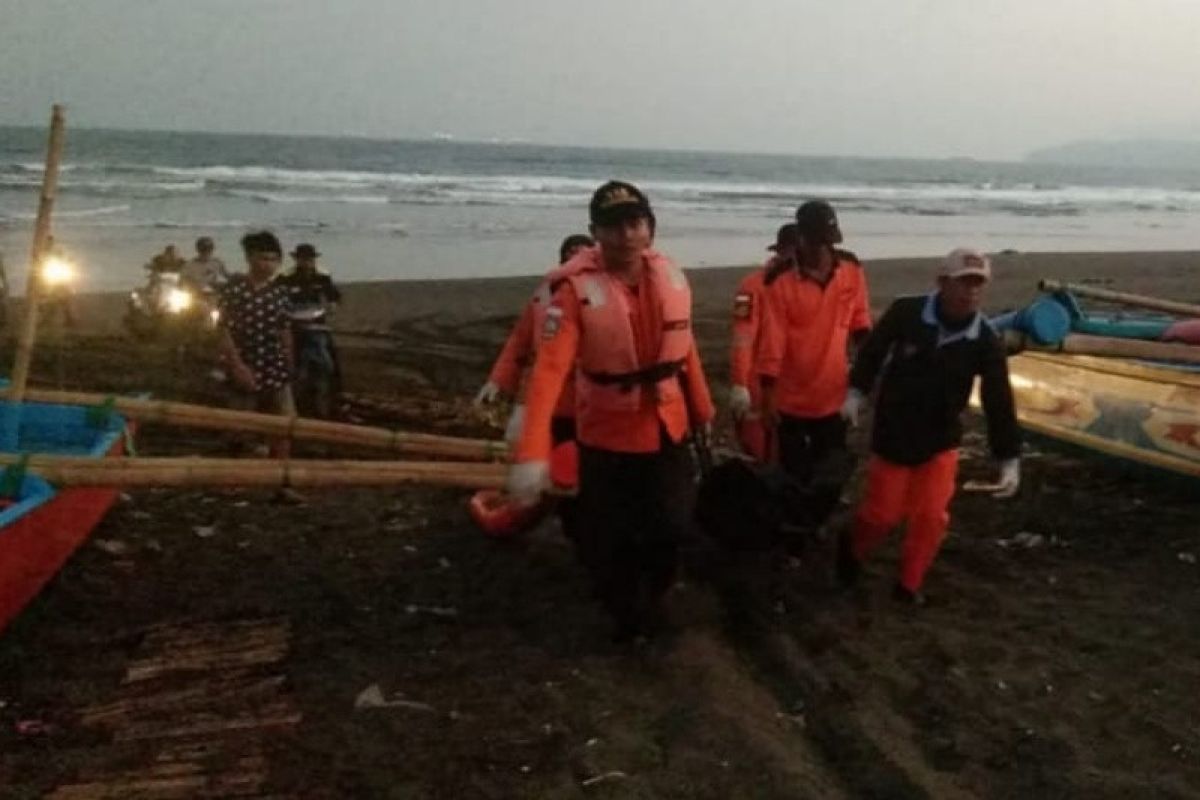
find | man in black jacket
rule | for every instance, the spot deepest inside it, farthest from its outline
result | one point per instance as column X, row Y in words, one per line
column 926, row 352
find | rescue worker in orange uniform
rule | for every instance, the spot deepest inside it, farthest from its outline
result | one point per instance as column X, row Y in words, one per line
column 519, row 349
column 926, row 352
column 745, row 397
column 816, row 309
column 621, row 319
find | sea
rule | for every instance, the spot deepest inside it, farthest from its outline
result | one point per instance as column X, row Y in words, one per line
column 396, row 210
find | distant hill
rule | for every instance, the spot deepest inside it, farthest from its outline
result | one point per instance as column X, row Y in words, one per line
column 1154, row 153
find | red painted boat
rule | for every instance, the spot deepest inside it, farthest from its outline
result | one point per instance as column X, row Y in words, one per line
column 40, row 527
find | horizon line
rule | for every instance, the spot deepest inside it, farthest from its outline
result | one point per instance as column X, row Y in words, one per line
column 452, row 139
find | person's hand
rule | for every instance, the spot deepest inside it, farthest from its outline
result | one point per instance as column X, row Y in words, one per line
column 852, row 407
column 516, row 422
column 1010, row 478
column 488, row 393
column 243, row 376
column 527, row 481
column 739, row 402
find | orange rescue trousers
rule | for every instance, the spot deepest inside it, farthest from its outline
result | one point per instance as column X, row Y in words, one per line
column 919, row 495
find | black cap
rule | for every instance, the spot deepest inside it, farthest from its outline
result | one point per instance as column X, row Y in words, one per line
column 816, row 220
column 617, row 201
column 787, row 236
column 305, row 251
column 575, row 240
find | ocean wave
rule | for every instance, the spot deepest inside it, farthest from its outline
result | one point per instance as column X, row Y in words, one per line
column 80, row 213
column 279, row 197
column 890, row 193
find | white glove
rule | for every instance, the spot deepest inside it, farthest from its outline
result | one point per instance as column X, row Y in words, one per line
column 516, row 421
column 489, row 393
column 527, row 481
column 739, row 401
column 1010, row 478
column 852, row 407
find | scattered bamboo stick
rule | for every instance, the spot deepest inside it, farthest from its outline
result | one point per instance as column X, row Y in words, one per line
column 1124, row 298
column 41, row 236
column 218, row 472
column 299, row 428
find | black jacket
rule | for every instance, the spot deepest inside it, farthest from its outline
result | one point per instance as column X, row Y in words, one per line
column 925, row 378
column 310, row 289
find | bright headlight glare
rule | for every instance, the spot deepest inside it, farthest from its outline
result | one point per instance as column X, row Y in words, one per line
column 178, row 300
column 57, row 271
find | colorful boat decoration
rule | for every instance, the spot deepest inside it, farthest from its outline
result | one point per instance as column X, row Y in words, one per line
column 40, row 526
column 1140, row 413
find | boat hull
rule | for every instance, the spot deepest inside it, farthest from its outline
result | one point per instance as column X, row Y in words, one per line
column 39, row 533
column 1148, row 415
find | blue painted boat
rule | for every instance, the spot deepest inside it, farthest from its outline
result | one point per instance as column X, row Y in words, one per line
column 41, row 526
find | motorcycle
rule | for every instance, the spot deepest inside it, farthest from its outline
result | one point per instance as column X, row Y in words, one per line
column 166, row 306
column 318, row 375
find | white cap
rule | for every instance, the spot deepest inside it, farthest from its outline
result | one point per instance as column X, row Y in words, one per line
column 964, row 261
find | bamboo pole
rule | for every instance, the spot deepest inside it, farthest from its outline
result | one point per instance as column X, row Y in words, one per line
column 1124, row 298
column 188, row 415
column 1083, row 344
column 41, row 233
column 227, row 472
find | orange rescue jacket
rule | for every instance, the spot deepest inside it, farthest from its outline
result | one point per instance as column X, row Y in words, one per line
column 633, row 353
column 806, row 334
column 748, row 313
column 520, row 348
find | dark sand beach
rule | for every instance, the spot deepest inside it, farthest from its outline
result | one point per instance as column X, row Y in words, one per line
column 1069, row 669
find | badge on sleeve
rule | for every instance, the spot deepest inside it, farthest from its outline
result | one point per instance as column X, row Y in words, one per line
column 743, row 305
column 553, row 323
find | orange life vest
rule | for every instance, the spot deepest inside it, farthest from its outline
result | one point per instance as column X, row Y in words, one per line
column 610, row 378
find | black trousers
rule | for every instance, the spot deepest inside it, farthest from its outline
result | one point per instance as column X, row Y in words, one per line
column 804, row 443
column 806, row 446
column 633, row 513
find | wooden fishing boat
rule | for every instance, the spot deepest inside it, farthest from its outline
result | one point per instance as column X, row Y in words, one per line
column 1137, row 412
column 40, row 527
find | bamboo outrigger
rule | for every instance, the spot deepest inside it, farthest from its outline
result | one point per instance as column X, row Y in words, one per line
column 394, row 442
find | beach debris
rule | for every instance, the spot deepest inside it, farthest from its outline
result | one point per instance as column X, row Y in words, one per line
column 1024, row 540
column 614, row 775
column 33, row 727
column 114, row 547
column 373, row 697
column 124, row 497
column 1187, row 558
column 444, row 563
column 141, row 515
column 1002, row 686
column 205, row 531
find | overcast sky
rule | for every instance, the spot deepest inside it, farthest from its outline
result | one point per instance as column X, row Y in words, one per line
column 938, row 78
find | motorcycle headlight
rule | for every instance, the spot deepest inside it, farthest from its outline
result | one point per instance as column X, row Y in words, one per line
column 57, row 272
column 178, row 300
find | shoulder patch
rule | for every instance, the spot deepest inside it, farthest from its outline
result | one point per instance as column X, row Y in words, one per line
column 743, row 305
column 553, row 323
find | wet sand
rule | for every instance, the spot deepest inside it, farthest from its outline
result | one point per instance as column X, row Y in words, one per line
column 1066, row 669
